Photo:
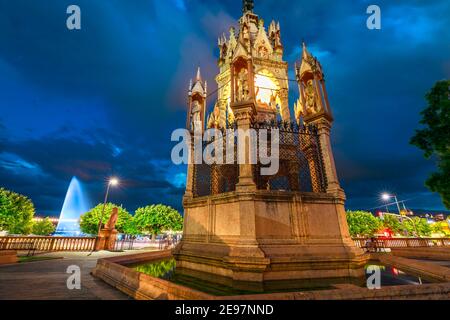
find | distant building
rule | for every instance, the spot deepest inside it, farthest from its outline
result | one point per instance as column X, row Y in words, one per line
column 431, row 215
column 53, row 220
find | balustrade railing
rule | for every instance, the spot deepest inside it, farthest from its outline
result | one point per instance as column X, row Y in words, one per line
column 47, row 243
column 88, row 244
column 404, row 242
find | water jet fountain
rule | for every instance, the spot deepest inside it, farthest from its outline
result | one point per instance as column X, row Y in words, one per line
column 75, row 204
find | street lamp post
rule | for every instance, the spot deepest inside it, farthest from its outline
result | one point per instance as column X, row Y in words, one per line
column 386, row 197
column 401, row 220
column 111, row 182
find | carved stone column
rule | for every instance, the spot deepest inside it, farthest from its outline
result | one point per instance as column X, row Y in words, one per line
column 311, row 157
column 189, row 193
column 324, row 128
column 293, row 175
column 310, row 151
column 244, row 113
column 216, row 179
column 284, row 97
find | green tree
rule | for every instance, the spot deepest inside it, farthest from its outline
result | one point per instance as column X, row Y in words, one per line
column 417, row 227
column 394, row 224
column 434, row 138
column 131, row 228
column 90, row 220
column 16, row 212
column 362, row 223
column 437, row 228
column 43, row 228
column 157, row 218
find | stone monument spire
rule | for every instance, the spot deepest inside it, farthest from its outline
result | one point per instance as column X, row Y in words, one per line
column 245, row 228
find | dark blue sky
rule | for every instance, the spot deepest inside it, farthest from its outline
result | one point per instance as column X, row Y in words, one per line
column 104, row 100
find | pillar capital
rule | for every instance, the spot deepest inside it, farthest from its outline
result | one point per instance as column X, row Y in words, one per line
column 322, row 120
column 244, row 111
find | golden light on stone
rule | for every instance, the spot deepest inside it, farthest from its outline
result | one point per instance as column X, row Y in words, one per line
column 266, row 89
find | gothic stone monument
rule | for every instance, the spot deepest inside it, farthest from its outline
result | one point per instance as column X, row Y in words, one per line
column 251, row 228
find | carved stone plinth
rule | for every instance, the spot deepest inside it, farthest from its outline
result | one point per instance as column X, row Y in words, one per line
column 263, row 236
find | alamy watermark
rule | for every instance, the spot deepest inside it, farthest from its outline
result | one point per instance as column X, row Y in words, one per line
column 374, row 280
column 74, row 280
column 236, row 146
column 73, row 21
column 374, row 20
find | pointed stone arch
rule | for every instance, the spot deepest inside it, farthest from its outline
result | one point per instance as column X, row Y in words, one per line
column 266, row 84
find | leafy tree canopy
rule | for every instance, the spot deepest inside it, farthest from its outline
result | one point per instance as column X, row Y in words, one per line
column 434, row 138
column 90, row 220
column 16, row 212
column 43, row 228
column 418, row 227
column 157, row 218
column 441, row 227
column 394, row 224
column 362, row 224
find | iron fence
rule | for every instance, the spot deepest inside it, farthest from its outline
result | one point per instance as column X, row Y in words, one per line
column 300, row 160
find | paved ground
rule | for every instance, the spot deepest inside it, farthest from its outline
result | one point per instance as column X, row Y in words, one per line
column 47, row 280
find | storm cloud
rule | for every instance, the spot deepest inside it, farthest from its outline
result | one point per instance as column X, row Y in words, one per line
column 104, row 100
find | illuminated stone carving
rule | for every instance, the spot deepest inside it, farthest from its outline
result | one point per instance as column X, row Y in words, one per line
column 243, row 90
column 195, row 115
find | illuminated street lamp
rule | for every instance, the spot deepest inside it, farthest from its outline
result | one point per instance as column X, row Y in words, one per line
column 112, row 182
column 386, row 197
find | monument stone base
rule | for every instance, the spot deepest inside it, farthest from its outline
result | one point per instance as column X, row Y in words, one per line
column 260, row 236
column 106, row 240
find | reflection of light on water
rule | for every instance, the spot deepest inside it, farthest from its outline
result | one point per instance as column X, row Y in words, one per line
column 393, row 276
column 395, row 271
column 74, row 206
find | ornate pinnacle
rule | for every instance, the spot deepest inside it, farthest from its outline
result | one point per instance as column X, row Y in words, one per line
column 248, row 5
column 199, row 76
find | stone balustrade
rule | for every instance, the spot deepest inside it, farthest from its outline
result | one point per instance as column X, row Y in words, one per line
column 47, row 243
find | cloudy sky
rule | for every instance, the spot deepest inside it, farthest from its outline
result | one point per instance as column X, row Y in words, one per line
column 104, row 100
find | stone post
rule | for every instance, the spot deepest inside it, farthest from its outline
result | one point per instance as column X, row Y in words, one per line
column 216, row 179
column 324, row 128
column 189, row 193
column 107, row 237
column 244, row 113
column 284, row 97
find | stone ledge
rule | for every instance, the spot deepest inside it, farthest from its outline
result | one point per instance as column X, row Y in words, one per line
column 263, row 195
column 432, row 253
column 424, row 269
column 8, row 257
column 413, row 292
